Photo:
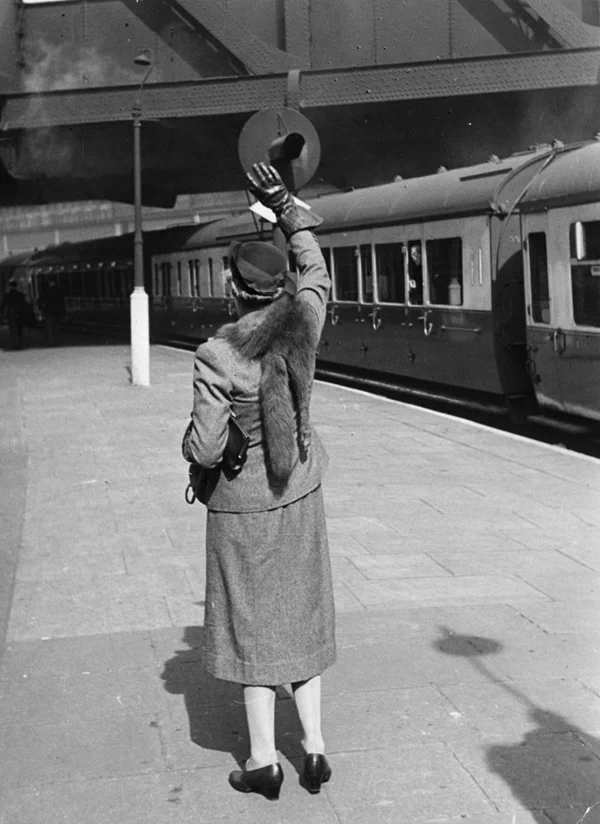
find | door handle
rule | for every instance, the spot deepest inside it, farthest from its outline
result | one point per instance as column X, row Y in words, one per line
column 559, row 341
column 376, row 315
column 427, row 324
column 334, row 315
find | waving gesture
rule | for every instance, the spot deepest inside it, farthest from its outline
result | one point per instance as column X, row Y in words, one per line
column 267, row 186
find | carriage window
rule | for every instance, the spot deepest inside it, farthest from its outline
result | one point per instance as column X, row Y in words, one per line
column 366, row 267
column 346, row 273
column 196, row 278
column 585, row 272
column 156, row 279
column 389, row 260
column 165, row 270
column 415, row 273
column 179, row 280
column 191, row 284
column 444, row 267
column 538, row 268
column 211, row 278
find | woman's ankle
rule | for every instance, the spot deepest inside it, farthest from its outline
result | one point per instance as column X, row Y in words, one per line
column 258, row 760
column 314, row 745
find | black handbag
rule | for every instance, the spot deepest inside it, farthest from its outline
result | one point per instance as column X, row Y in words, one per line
column 233, row 459
column 237, row 445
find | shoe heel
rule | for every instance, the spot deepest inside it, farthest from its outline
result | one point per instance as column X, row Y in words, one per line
column 271, row 792
column 313, row 785
column 316, row 772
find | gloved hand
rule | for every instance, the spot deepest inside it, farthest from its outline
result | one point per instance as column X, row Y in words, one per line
column 265, row 183
column 267, row 186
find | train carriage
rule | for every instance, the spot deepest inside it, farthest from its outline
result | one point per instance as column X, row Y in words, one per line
column 483, row 280
column 560, row 217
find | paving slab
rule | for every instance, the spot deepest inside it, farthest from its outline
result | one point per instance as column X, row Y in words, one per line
column 467, row 686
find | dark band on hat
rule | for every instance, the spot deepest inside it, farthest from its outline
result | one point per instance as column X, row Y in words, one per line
column 257, row 268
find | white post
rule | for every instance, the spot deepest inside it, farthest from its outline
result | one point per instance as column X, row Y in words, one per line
column 140, row 326
column 140, row 338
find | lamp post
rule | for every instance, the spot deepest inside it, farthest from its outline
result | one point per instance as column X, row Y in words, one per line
column 140, row 325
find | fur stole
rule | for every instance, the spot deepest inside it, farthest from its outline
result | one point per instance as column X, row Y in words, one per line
column 282, row 336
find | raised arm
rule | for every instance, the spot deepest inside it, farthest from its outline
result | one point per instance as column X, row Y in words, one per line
column 297, row 224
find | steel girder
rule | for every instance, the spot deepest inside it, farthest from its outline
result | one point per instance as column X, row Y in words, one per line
column 347, row 87
column 254, row 54
column 562, row 25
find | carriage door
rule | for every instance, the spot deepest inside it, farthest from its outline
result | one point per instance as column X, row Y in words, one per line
column 564, row 308
column 541, row 297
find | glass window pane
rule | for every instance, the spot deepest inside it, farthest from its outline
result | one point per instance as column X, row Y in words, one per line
column 366, row 265
column 190, row 264
column 415, row 273
column 389, row 260
column 538, row 268
column 444, row 268
column 585, row 272
column 211, row 277
column 346, row 273
column 197, row 276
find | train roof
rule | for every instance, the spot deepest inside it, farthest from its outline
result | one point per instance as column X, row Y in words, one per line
column 570, row 176
column 18, row 259
column 529, row 179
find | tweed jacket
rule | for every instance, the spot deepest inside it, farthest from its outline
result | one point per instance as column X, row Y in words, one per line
column 225, row 380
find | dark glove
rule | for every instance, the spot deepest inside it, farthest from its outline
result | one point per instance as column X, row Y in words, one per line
column 267, row 186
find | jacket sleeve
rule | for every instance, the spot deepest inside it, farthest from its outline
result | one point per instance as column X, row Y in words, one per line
column 314, row 283
column 212, row 408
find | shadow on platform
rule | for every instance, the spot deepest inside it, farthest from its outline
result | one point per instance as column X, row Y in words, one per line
column 35, row 338
column 555, row 766
column 215, row 709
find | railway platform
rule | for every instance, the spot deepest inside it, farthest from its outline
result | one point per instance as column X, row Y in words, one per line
column 467, row 577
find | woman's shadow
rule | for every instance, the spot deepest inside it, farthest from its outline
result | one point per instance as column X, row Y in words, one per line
column 555, row 766
column 215, row 709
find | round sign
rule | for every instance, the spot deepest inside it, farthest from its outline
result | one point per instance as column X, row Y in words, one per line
column 284, row 138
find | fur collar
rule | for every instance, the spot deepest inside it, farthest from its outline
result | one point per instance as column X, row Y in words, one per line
column 282, row 336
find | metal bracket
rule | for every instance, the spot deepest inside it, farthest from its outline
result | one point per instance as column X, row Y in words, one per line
column 292, row 96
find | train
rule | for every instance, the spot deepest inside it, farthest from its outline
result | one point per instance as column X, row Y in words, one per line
column 481, row 281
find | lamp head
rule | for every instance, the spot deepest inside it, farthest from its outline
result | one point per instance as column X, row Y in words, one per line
column 144, row 58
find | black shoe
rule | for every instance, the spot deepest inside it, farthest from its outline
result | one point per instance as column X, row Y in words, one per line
column 264, row 780
column 316, row 771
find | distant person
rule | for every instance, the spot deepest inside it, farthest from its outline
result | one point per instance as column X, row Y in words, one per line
column 269, row 600
column 415, row 274
column 14, row 311
column 52, row 307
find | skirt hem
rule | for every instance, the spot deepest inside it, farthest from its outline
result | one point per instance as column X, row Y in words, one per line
column 244, row 672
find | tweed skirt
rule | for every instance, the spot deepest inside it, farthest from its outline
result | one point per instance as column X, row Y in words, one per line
column 269, row 614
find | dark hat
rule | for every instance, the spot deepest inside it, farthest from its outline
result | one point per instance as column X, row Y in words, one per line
column 257, row 267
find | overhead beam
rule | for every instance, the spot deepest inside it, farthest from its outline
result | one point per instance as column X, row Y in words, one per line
column 533, row 24
column 186, row 39
column 254, row 54
column 358, row 86
column 561, row 24
column 509, row 30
